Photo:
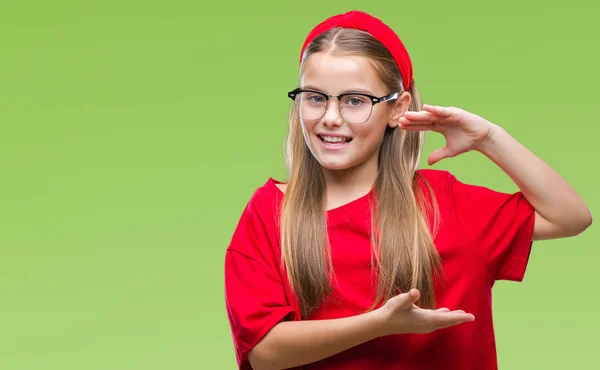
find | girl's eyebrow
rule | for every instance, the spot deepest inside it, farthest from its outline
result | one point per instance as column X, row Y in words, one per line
column 358, row 91
column 311, row 87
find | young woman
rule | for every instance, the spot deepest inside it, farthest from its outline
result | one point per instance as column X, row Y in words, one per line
column 363, row 261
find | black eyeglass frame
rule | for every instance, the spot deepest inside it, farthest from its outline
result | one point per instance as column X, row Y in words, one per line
column 374, row 99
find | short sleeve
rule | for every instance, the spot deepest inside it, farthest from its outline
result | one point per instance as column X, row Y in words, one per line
column 498, row 225
column 255, row 295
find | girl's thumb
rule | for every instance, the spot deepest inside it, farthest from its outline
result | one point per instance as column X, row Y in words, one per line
column 409, row 298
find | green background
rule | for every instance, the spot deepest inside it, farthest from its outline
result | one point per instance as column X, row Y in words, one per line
column 134, row 132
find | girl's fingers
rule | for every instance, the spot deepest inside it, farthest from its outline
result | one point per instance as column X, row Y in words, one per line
column 439, row 154
column 442, row 111
column 416, row 127
column 418, row 116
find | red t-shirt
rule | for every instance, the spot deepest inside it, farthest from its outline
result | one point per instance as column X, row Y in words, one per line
column 483, row 236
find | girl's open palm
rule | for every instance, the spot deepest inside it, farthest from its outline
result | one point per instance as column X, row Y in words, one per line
column 402, row 316
column 463, row 131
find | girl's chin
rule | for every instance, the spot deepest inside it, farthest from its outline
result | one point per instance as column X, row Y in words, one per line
column 334, row 164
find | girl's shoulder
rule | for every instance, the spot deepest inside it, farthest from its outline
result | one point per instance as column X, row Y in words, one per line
column 437, row 180
column 265, row 198
column 431, row 173
column 256, row 228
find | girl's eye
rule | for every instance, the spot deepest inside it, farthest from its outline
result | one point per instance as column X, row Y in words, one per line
column 355, row 101
column 316, row 99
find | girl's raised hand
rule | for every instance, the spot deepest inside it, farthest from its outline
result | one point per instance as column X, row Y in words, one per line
column 463, row 131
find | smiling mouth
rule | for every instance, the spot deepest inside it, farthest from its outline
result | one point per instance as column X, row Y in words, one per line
column 334, row 140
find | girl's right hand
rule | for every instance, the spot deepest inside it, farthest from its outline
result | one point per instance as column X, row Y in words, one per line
column 400, row 315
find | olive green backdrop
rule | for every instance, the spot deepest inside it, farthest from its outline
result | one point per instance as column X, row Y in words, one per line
column 134, row 132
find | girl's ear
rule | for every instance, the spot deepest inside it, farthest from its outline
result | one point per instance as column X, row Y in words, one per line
column 400, row 106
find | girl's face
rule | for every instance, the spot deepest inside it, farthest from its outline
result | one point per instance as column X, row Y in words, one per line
column 334, row 142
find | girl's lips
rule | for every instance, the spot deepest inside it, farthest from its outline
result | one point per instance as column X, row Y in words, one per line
column 334, row 142
column 334, row 137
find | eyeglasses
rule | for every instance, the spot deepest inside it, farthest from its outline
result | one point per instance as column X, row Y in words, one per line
column 354, row 107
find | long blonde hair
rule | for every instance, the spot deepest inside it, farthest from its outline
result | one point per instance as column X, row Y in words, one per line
column 404, row 254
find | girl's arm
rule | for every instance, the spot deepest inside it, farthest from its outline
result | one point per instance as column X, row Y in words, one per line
column 559, row 210
column 295, row 343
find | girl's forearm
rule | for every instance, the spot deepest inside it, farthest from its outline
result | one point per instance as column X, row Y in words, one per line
column 561, row 212
column 296, row 343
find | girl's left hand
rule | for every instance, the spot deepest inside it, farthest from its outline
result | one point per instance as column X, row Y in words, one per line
column 463, row 131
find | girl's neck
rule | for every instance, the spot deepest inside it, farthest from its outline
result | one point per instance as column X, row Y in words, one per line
column 347, row 185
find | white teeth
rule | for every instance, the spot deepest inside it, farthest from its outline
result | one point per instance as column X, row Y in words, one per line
column 333, row 139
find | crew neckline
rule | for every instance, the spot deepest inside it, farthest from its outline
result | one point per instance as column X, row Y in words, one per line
column 341, row 208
